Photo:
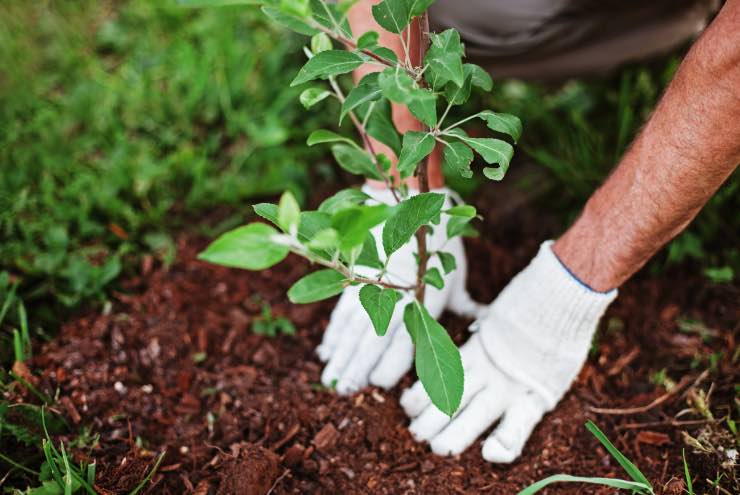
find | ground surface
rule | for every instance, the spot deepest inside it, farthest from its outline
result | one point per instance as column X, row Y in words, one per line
column 173, row 365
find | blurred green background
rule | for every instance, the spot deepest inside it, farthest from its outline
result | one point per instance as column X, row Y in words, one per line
column 123, row 120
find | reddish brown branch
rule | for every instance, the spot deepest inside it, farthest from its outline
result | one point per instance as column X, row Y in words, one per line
column 422, row 25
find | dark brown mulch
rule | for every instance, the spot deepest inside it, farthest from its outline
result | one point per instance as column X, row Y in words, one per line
column 174, row 366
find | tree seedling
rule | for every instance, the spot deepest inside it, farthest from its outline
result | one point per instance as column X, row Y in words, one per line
column 336, row 235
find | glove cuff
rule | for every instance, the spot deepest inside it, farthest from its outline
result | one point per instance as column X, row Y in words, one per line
column 542, row 324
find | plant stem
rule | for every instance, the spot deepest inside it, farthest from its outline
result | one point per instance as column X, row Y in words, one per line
column 471, row 117
column 299, row 249
column 365, row 138
column 353, row 46
column 421, row 235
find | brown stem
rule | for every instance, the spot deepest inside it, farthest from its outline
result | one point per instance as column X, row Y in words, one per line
column 344, row 270
column 365, row 139
column 421, row 235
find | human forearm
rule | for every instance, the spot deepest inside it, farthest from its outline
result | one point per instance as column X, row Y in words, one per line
column 361, row 20
column 687, row 149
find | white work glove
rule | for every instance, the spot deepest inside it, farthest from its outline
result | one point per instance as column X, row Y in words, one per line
column 354, row 353
column 528, row 349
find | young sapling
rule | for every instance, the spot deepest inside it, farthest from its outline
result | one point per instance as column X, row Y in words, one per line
column 337, row 236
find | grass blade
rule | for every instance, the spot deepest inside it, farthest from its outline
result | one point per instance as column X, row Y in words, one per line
column 689, row 483
column 628, row 466
column 51, row 460
column 143, row 482
column 18, row 346
column 91, row 473
column 67, row 472
column 8, row 301
column 25, row 335
column 566, row 478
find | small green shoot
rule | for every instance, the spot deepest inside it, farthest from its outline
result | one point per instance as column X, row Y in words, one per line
column 269, row 325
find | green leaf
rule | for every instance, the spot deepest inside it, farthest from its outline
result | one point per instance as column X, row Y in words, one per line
column 311, row 221
column 457, row 95
column 355, row 161
column 461, row 211
column 251, row 247
column 326, row 239
column 297, row 8
column 317, row 286
column 369, row 254
column 416, row 147
column 438, row 362
column 268, row 211
column 418, row 7
column 408, row 216
column 392, row 15
column 325, row 136
column 425, row 110
column 399, row 87
column 320, row 43
column 289, row 213
column 444, row 59
column 384, row 162
column 289, row 21
column 492, row 150
column 385, row 53
column 328, row 63
column 449, row 264
column 458, row 156
column 566, row 478
column 343, row 199
column 343, row 6
column 459, row 226
column 353, row 224
column 434, row 278
column 479, row 77
column 380, row 125
column 628, row 466
column 379, row 304
column 503, row 122
column 366, row 91
column 368, row 40
column 311, row 96
column 331, row 17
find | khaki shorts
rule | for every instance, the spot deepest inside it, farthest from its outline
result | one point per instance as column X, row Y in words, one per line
column 553, row 39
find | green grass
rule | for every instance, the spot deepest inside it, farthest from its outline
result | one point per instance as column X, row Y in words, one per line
column 119, row 120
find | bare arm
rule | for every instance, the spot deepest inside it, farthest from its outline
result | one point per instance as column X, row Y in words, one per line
column 361, row 20
column 687, row 149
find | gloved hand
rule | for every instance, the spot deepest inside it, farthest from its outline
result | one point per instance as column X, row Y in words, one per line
column 354, row 353
column 528, row 348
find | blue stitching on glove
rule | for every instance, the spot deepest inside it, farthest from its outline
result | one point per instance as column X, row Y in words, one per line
column 574, row 277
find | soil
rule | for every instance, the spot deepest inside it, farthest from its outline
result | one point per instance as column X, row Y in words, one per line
column 173, row 366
